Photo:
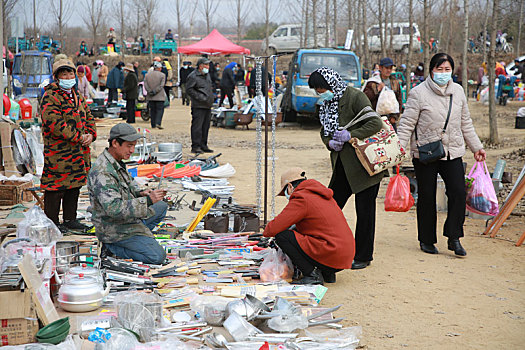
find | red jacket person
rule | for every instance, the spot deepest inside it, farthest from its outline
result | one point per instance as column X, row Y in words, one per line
column 321, row 243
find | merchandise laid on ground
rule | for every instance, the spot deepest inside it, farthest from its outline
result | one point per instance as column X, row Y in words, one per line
column 220, row 287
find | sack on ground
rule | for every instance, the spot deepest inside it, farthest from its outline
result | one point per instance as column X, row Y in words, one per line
column 276, row 266
column 387, row 102
column 398, row 197
column 481, row 196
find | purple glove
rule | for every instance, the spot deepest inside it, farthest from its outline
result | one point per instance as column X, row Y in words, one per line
column 335, row 145
column 342, row 136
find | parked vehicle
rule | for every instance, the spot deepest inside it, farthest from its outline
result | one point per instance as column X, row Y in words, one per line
column 23, row 43
column 164, row 47
column 298, row 98
column 400, row 40
column 46, row 43
column 288, row 38
column 32, row 71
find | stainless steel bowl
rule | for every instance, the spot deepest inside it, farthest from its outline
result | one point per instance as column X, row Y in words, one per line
column 170, row 147
column 65, row 251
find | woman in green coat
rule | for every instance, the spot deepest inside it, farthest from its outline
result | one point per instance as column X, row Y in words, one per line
column 339, row 104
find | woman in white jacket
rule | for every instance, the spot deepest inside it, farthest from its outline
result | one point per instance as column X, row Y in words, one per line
column 426, row 111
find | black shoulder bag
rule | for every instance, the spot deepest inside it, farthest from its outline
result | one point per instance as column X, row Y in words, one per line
column 433, row 151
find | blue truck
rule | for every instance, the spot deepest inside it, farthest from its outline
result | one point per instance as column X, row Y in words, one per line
column 299, row 100
column 32, row 71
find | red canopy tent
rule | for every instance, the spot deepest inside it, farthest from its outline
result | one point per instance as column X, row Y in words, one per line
column 213, row 44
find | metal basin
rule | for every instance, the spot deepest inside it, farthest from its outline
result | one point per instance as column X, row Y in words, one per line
column 65, row 251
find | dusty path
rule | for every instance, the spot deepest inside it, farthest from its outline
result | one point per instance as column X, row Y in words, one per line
column 405, row 299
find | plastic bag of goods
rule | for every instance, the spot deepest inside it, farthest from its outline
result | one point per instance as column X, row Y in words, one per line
column 481, row 196
column 276, row 267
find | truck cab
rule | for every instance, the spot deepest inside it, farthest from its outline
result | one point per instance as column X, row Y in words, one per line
column 32, row 72
column 299, row 99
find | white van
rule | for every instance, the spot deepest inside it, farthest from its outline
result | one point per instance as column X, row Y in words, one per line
column 288, row 38
column 401, row 39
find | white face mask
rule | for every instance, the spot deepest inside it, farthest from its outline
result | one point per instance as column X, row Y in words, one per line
column 286, row 194
column 205, row 70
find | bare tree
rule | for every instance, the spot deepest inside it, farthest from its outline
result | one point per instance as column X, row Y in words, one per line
column 464, row 71
column 363, row 6
column 208, row 9
column 485, row 31
column 242, row 13
column 306, row 20
column 121, row 10
column 424, row 39
column 335, row 22
column 314, row 21
column 327, row 22
column 270, row 11
column 7, row 10
column 92, row 15
column 391, row 16
column 61, row 11
column 192, row 16
column 411, row 38
column 150, row 8
column 520, row 25
column 382, row 28
column 179, row 10
column 493, row 123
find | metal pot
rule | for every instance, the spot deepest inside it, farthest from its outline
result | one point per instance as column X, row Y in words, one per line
column 65, row 252
column 81, row 294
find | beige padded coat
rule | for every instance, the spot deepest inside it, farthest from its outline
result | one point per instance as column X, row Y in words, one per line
column 427, row 107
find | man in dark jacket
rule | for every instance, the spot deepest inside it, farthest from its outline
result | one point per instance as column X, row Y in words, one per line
column 184, row 71
column 253, row 80
column 199, row 88
column 228, row 83
column 131, row 91
column 115, row 81
column 376, row 84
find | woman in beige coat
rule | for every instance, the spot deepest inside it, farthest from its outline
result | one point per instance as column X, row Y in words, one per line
column 426, row 111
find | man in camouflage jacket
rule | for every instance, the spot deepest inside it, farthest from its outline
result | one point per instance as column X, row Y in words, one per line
column 122, row 213
column 68, row 129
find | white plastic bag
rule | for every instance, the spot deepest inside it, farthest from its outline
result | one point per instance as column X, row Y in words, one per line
column 36, row 225
column 276, row 266
column 387, row 102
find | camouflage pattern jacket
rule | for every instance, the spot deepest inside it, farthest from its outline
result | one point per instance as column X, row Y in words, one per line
column 65, row 118
column 117, row 208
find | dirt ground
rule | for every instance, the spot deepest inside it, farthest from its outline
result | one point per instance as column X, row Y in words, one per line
column 405, row 298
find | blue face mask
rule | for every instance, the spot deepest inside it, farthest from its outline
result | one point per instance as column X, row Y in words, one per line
column 67, row 84
column 325, row 96
column 442, row 78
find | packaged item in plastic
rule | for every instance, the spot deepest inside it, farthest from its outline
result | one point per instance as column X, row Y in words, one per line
column 481, row 196
column 118, row 339
column 398, row 197
column 276, row 266
column 37, row 226
column 387, row 102
column 344, row 338
column 211, row 308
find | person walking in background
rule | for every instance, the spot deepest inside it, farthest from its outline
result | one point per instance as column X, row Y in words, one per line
column 103, row 76
column 168, row 35
column 83, row 84
column 228, row 84
column 377, row 83
column 239, row 75
column 247, row 82
column 501, row 75
column 130, row 91
column 200, row 90
column 136, row 68
column 184, row 71
column 115, row 82
column 154, row 83
column 435, row 105
column 94, row 75
column 68, row 129
column 482, row 71
column 111, row 36
column 169, row 79
column 83, row 51
column 339, row 105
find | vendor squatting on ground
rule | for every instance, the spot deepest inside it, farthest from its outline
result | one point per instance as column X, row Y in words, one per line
column 124, row 215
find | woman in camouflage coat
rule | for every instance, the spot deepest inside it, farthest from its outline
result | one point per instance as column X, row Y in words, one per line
column 68, row 128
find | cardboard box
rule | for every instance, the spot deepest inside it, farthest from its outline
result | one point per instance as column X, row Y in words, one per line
column 18, row 319
column 14, row 192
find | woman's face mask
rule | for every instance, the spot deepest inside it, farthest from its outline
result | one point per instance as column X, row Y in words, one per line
column 67, row 84
column 441, row 78
column 286, row 194
column 325, row 96
column 205, row 70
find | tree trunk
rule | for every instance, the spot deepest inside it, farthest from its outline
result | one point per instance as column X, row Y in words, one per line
column 208, row 16
column 60, row 25
column 391, row 14
column 381, row 27
column 267, row 22
column 122, row 47
column 238, row 21
column 179, row 26
column 464, row 71
column 485, row 30
column 365, row 32
column 410, row 48
column 493, row 123
column 34, row 22
column 306, row 17
column 327, row 22
column 520, row 25
column 425, row 39
column 335, row 22
column 444, row 43
column 452, row 5
column 314, row 21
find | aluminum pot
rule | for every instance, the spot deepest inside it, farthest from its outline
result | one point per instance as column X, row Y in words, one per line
column 65, row 252
column 82, row 294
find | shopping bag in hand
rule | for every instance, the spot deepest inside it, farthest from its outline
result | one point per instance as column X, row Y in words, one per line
column 481, row 197
column 398, row 196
